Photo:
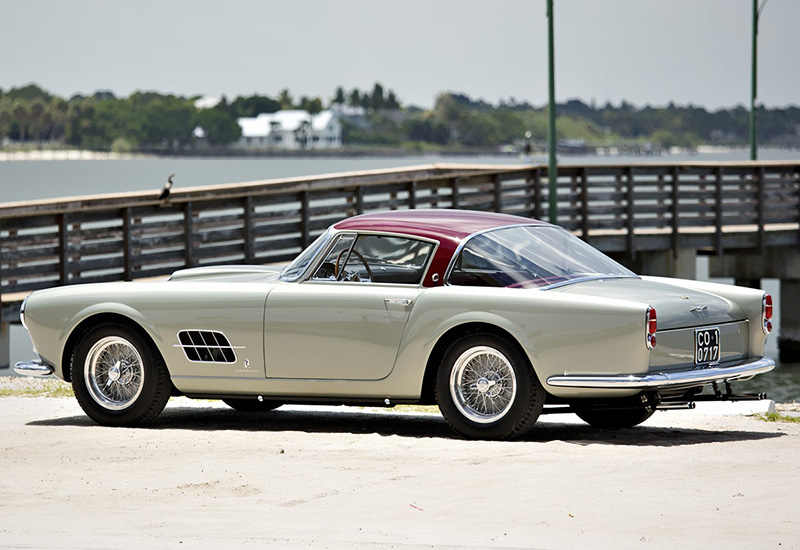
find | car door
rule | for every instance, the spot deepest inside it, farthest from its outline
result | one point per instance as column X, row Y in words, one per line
column 346, row 321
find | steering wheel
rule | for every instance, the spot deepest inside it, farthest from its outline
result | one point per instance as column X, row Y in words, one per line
column 359, row 256
column 325, row 271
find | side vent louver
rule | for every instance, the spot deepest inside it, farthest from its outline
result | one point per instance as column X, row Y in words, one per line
column 206, row 346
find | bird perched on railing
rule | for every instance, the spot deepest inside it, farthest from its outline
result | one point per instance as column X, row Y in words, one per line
column 167, row 186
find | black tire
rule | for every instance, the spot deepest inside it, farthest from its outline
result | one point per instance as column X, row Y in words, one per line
column 119, row 378
column 486, row 388
column 251, row 405
column 615, row 419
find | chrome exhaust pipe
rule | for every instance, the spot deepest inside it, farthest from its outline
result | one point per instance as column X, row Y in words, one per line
column 676, row 406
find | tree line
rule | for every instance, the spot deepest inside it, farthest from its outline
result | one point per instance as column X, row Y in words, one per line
column 376, row 117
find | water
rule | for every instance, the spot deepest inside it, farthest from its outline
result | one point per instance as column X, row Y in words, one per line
column 31, row 180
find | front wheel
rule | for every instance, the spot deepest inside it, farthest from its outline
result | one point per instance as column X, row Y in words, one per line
column 486, row 388
column 118, row 377
column 615, row 419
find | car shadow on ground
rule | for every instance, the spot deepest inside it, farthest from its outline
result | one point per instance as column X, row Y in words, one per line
column 413, row 425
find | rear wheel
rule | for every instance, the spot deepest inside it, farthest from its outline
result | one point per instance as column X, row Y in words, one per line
column 251, row 405
column 486, row 389
column 118, row 377
column 614, row 419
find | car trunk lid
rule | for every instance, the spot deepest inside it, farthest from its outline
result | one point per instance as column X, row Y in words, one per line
column 676, row 307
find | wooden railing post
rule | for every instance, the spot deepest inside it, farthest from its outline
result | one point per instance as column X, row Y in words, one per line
column 127, row 252
column 63, row 249
column 760, row 199
column 497, row 188
column 304, row 219
column 584, row 205
column 797, row 192
column 412, row 195
column 674, row 210
column 456, row 191
column 249, row 236
column 718, row 208
column 537, row 194
column 630, row 243
column 5, row 342
column 188, row 234
column 359, row 200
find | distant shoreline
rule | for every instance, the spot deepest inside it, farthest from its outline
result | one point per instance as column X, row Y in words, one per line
column 78, row 154
column 67, row 154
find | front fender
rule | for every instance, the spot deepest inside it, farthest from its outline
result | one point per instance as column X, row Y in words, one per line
column 51, row 334
column 112, row 308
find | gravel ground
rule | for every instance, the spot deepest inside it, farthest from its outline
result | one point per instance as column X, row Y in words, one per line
column 205, row 476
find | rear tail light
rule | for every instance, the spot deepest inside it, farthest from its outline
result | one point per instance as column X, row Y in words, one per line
column 651, row 324
column 766, row 313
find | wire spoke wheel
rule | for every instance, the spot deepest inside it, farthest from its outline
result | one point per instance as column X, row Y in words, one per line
column 114, row 373
column 483, row 384
column 486, row 388
column 119, row 376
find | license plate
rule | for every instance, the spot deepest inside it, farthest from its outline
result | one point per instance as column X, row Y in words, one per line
column 706, row 346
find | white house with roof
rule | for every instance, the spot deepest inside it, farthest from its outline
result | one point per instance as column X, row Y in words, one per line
column 292, row 130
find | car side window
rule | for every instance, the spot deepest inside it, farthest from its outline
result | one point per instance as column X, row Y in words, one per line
column 386, row 259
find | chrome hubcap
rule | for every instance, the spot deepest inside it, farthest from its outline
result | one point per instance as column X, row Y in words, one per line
column 483, row 384
column 114, row 373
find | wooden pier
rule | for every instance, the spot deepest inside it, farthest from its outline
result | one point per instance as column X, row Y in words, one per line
column 654, row 217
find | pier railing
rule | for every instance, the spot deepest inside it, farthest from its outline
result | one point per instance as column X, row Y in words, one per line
column 619, row 208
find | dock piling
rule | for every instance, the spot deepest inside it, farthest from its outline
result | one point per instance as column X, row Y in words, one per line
column 789, row 337
column 5, row 345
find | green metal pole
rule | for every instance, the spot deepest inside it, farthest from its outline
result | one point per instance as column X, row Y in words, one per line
column 552, row 169
column 753, row 78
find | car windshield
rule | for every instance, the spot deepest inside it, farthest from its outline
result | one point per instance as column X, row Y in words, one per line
column 531, row 257
column 294, row 270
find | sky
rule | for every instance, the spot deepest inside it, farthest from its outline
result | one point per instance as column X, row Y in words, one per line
column 647, row 52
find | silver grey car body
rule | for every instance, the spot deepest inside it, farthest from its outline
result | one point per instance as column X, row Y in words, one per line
column 407, row 307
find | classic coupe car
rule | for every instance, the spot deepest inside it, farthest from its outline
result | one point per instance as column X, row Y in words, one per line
column 495, row 318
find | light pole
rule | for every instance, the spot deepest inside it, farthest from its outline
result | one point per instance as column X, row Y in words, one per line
column 552, row 169
column 753, row 78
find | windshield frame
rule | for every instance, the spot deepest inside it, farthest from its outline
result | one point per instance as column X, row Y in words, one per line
column 558, row 284
column 313, row 250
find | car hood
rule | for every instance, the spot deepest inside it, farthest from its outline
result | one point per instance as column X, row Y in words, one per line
column 676, row 307
column 227, row 273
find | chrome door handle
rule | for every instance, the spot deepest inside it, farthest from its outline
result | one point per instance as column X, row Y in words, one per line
column 401, row 301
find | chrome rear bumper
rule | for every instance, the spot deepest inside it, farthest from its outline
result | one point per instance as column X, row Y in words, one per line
column 33, row 368
column 666, row 379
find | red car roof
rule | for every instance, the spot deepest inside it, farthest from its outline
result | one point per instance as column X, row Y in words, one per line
column 449, row 227
column 433, row 223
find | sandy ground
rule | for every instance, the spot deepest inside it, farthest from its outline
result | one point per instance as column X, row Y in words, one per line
column 205, row 476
